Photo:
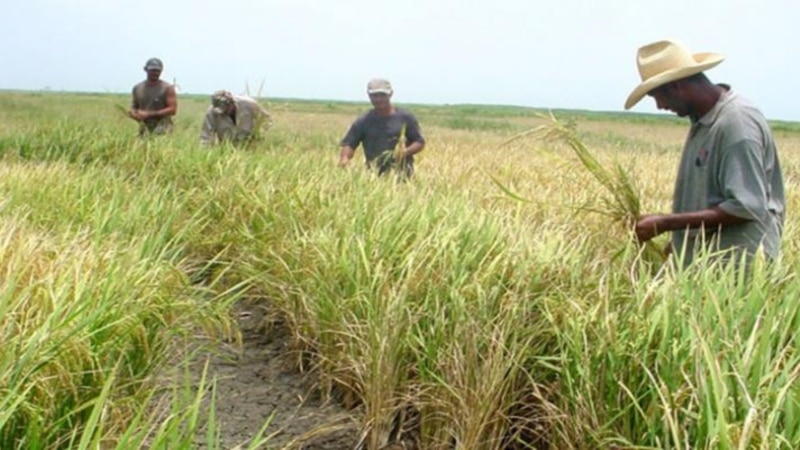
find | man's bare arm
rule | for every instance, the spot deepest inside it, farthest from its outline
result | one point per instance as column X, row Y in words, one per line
column 650, row 226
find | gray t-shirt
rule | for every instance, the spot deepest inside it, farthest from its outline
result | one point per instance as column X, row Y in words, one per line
column 730, row 161
column 380, row 133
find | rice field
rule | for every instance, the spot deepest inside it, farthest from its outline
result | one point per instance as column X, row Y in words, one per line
column 489, row 303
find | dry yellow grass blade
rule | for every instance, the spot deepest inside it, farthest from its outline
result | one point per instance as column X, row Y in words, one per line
column 122, row 110
column 399, row 148
column 623, row 203
column 395, row 158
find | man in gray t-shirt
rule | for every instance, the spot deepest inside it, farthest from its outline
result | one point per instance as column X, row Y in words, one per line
column 729, row 193
column 379, row 131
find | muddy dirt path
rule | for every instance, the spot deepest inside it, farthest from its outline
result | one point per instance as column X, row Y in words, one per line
column 257, row 381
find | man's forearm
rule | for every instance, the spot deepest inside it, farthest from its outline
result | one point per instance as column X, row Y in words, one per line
column 414, row 148
column 651, row 225
column 708, row 218
column 164, row 112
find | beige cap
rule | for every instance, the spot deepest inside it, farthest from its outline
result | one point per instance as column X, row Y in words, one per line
column 379, row 86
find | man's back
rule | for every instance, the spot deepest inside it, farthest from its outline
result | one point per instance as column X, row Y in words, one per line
column 249, row 120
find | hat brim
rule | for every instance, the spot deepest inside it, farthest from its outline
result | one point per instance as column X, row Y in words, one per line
column 148, row 68
column 704, row 61
column 379, row 91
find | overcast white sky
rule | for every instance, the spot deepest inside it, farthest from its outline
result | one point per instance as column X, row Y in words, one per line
column 554, row 53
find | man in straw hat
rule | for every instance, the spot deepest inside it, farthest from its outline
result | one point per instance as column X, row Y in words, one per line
column 729, row 193
column 237, row 119
column 380, row 131
column 154, row 101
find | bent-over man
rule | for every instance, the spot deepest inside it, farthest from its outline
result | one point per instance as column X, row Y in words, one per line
column 237, row 119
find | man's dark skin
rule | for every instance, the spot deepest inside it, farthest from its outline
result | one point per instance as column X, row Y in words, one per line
column 690, row 97
column 153, row 76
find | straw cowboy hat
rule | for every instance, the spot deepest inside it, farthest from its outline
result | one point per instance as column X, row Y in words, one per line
column 665, row 61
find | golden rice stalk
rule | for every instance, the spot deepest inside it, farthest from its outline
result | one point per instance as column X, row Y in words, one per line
column 263, row 120
column 123, row 110
column 623, row 202
column 399, row 149
column 396, row 157
column 262, row 123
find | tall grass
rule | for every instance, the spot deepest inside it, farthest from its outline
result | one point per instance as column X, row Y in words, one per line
column 97, row 289
column 699, row 359
column 622, row 202
column 74, row 314
column 418, row 310
column 443, row 314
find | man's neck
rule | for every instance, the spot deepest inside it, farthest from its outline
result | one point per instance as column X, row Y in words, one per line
column 385, row 111
column 707, row 99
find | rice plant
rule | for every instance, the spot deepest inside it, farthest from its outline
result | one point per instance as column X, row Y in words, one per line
column 438, row 313
column 623, row 201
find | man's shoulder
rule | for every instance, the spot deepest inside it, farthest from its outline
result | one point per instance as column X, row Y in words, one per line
column 366, row 116
column 244, row 98
column 739, row 119
column 249, row 103
column 738, row 108
column 161, row 84
column 373, row 115
column 404, row 113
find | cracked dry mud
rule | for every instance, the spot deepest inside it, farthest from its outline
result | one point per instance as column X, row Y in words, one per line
column 257, row 381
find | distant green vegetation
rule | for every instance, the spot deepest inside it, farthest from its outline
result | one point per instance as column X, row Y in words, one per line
column 778, row 126
column 474, row 123
column 459, row 114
